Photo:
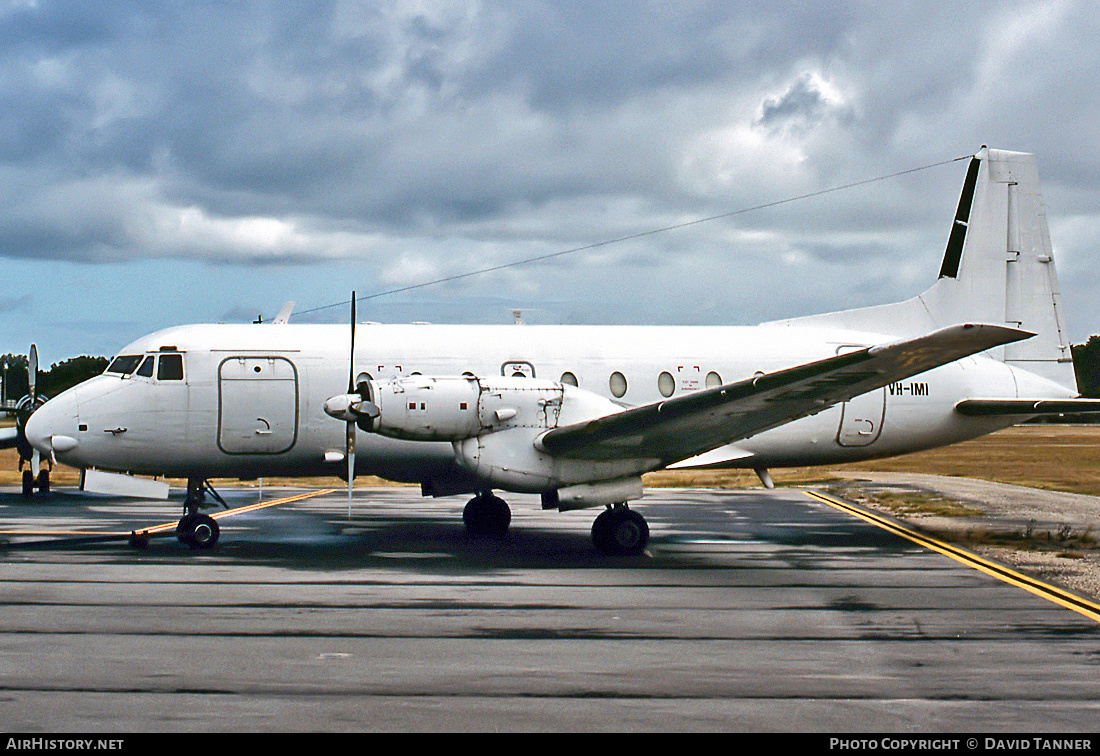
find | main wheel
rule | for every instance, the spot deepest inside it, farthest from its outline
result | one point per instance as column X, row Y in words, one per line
column 28, row 483
column 487, row 515
column 620, row 532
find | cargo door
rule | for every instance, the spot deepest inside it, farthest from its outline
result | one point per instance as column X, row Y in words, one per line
column 257, row 405
column 861, row 417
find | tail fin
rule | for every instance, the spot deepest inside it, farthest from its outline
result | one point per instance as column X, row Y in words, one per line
column 998, row 268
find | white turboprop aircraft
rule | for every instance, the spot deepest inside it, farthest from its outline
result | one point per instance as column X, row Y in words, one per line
column 577, row 413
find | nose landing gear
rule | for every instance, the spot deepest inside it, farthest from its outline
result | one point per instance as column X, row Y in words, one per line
column 199, row 531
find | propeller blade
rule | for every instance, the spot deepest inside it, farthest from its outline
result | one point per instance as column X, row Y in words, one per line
column 32, row 370
column 351, row 424
column 351, row 359
column 351, row 462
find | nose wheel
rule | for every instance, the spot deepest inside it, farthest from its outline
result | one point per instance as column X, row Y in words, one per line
column 197, row 530
column 620, row 531
column 31, row 482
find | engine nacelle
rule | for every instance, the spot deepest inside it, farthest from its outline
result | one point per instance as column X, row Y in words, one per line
column 494, row 425
column 430, row 408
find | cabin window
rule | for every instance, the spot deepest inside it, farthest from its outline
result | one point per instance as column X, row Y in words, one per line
column 569, row 379
column 124, row 364
column 146, row 369
column 617, row 384
column 713, row 380
column 666, row 384
column 170, row 367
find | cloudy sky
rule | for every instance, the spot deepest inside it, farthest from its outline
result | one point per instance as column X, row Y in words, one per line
column 165, row 163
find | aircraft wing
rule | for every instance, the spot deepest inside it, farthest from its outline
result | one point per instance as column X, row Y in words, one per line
column 1026, row 407
column 9, row 437
column 676, row 429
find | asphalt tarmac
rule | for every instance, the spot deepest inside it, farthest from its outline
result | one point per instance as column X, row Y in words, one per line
column 751, row 611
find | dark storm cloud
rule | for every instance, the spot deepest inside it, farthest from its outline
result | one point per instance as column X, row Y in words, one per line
column 427, row 139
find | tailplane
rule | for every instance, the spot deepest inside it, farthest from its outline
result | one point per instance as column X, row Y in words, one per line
column 998, row 268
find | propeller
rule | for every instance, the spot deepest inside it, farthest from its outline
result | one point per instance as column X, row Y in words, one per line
column 24, row 408
column 351, row 423
column 355, row 408
column 32, row 380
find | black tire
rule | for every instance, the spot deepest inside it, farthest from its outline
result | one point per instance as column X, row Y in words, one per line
column 183, row 528
column 600, row 529
column 487, row 515
column 622, row 532
column 198, row 531
column 28, row 483
column 204, row 532
column 43, row 482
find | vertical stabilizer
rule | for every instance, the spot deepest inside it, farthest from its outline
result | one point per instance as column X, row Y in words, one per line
column 998, row 268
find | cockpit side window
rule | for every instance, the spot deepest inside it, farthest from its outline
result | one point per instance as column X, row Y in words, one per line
column 124, row 364
column 146, row 369
column 170, row 367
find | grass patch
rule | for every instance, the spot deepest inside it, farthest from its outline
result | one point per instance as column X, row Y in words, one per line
column 916, row 504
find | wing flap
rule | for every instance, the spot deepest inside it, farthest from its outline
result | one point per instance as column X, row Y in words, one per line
column 693, row 424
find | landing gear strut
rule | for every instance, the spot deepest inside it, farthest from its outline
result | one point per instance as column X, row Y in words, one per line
column 486, row 515
column 620, row 531
column 197, row 530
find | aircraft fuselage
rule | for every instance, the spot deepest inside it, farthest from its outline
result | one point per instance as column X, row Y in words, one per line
column 249, row 399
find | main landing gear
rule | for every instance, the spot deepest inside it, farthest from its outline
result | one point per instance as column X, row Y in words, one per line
column 487, row 515
column 199, row 531
column 620, row 531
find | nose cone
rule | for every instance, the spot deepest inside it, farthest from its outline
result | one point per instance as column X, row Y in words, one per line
column 39, row 429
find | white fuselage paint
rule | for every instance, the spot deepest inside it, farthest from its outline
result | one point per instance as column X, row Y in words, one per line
column 251, row 400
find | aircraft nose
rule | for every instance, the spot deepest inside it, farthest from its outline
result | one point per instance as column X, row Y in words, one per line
column 41, row 430
column 37, row 429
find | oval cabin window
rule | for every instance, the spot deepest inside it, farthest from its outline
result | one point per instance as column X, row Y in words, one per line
column 666, row 384
column 617, row 384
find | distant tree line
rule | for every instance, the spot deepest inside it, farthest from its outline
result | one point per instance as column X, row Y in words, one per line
column 60, row 376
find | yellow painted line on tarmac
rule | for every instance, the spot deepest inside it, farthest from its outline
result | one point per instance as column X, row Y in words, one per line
column 168, row 526
column 1049, row 592
column 238, row 510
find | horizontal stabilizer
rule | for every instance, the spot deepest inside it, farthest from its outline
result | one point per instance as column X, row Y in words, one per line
column 1026, row 407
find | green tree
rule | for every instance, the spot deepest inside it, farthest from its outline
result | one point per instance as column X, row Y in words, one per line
column 1086, row 364
column 64, row 375
column 61, row 375
column 14, row 374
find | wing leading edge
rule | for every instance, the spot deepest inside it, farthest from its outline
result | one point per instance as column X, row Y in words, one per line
column 680, row 428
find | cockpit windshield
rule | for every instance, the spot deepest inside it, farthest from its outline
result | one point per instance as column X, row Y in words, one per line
column 124, row 364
